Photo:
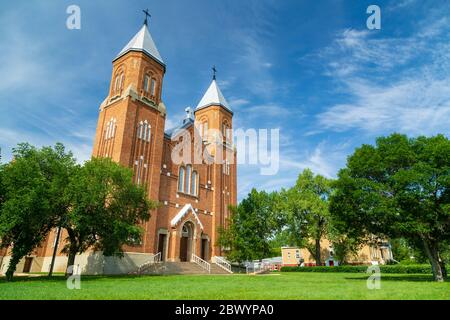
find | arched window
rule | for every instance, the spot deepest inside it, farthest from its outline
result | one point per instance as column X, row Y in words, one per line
column 194, row 188
column 153, row 87
column 119, row 81
column 110, row 129
column 146, row 83
column 144, row 131
column 181, row 179
column 188, row 179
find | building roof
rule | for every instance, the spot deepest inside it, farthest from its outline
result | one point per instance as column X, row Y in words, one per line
column 143, row 42
column 213, row 97
column 173, row 132
column 182, row 213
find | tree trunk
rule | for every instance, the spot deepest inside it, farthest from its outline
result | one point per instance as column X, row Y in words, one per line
column 73, row 250
column 433, row 255
column 443, row 267
column 71, row 261
column 318, row 257
column 15, row 259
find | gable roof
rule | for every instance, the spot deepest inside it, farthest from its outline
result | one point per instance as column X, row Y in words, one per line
column 182, row 213
column 143, row 42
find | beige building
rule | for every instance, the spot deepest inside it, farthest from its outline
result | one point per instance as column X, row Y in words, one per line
column 367, row 255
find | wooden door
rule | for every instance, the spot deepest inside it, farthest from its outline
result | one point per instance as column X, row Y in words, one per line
column 204, row 249
column 162, row 246
column 184, row 249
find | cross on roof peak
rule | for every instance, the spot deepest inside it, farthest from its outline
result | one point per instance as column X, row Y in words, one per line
column 214, row 72
column 147, row 15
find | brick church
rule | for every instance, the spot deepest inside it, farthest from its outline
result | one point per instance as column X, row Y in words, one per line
column 193, row 196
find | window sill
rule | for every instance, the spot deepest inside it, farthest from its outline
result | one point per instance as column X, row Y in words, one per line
column 187, row 195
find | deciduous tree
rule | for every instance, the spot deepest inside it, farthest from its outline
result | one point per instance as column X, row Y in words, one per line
column 398, row 188
column 106, row 209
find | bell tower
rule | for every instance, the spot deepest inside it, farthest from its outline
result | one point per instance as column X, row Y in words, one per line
column 214, row 121
column 130, row 128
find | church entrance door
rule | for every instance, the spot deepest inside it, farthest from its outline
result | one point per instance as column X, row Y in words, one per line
column 186, row 242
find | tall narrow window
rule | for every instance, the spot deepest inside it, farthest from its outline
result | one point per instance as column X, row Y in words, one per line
column 141, row 130
column 118, row 82
column 149, row 133
column 226, row 167
column 153, row 87
column 110, row 129
column 181, row 180
column 122, row 80
column 139, row 164
column 188, row 179
column 144, row 136
column 146, row 83
column 194, row 188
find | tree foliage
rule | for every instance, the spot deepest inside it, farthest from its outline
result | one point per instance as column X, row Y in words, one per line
column 106, row 208
column 33, row 186
column 398, row 188
column 305, row 207
column 248, row 232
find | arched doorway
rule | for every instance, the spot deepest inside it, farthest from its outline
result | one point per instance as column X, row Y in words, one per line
column 186, row 241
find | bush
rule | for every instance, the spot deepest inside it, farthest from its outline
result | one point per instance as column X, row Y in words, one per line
column 398, row 268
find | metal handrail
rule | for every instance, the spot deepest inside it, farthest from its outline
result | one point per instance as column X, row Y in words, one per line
column 202, row 263
column 224, row 264
column 156, row 258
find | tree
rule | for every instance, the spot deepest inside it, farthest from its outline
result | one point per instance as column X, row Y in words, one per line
column 399, row 188
column 306, row 208
column 106, row 208
column 250, row 228
column 32, row 187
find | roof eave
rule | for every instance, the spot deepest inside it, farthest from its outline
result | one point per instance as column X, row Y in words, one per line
column 214, row 104
column 143, row 51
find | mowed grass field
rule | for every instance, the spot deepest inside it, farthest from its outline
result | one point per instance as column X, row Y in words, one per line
column 282, row 286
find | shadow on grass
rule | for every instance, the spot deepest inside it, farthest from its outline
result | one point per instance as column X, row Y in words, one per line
column 405, row 278
column 62, row 278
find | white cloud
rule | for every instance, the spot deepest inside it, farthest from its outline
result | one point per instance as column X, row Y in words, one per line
column 394, row 84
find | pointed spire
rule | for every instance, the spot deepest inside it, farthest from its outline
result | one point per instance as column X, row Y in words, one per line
column 143, row 42
column 213, row 97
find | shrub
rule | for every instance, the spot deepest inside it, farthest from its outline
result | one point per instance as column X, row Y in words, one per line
column 398, row 268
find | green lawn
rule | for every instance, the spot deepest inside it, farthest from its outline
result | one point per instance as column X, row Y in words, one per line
column 214, row 287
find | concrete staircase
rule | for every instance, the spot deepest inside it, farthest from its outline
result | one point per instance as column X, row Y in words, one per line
column 166, row 268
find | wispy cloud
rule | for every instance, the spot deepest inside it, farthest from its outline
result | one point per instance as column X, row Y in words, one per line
column 393, row 84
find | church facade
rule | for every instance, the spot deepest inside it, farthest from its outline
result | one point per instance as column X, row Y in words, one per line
column 193, row 195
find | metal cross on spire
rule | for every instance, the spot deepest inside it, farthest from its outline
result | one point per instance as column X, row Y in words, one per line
column 147, row 15
column 214, row 72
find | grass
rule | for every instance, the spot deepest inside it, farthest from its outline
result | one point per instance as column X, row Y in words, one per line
column 282, row 286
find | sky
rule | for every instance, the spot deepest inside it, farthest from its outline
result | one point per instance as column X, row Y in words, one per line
column 311, row 69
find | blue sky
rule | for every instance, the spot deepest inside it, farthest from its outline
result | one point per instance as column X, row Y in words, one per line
column 310, row 68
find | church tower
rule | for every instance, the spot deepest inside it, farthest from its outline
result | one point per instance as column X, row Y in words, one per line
column 130, row 127
column 214, row 121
